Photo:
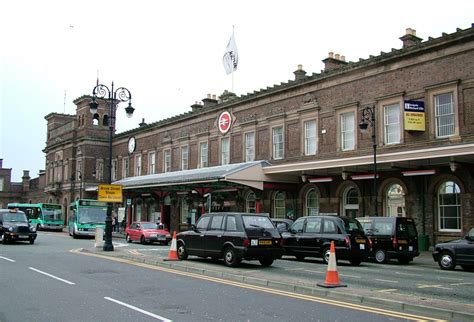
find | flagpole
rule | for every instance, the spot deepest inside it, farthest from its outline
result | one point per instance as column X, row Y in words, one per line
column 233, row 68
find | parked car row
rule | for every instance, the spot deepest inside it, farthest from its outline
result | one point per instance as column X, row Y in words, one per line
column 247, row 236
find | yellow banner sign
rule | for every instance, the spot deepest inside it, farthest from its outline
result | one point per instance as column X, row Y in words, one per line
column 110, row 193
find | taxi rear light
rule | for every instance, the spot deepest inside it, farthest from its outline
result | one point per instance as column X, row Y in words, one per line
column 246, row 242
column 347, row 241
column 394, row 242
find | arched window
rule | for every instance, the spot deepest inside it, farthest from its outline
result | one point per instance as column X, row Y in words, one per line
column 95, row 119
column 395, row 201
column 350, row 202
column 449, row 207
column 105, row 120
column 250, row 204
column 312, row 203
column 279, row 205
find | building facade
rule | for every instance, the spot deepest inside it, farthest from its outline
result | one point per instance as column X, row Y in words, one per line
column 296, row 149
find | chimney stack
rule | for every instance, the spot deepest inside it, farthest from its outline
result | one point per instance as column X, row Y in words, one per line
column 300, row 74
column 210, row 100
column 410, row 39
column 26, row 180
column 196, row 106
column 334, row 61
column 1, row 163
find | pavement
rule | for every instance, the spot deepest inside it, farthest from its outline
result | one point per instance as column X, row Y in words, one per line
column 441, row 309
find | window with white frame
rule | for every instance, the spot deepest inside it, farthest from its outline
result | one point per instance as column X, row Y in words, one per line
column 395, row 201
column 151, row 162
column 249, row 146
column 185, row 215
column 125, row 167
column 449, row 207
column 350, row 202
column 184, row 157
column 114, row 170
column 138, row 165
column 225, row 150
column 312, row 202
column 277, row 142
column 2, row 188
column 250, row 203
column 391, row 124
column 347, row 131
column 444, row 114
column 279, row 209
column 167, row 161
column 203, row 155
column 310, row 137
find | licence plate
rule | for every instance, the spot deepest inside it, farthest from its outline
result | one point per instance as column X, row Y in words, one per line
column 360, row 240
column 265, row 242
column 152, row 235
column 161, row 238
column 402, row 241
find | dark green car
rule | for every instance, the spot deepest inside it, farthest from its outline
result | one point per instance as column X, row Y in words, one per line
column 14, row 226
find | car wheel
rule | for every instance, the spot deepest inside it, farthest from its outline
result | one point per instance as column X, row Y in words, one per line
column 467, row 268
column 5, row 240
column 326, row 254
column 182, row 253
column 266, row 261
column 380, row 256
column 355, row 262
column 32, row 241
column 404, row 260
column 230, row 258
column 127, row 238
column 447, row 261
column 142, row 240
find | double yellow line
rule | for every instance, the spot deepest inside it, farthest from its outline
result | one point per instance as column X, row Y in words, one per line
column 310, row 298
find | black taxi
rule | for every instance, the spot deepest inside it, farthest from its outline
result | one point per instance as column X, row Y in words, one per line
column 232, row 236
column 311, row 236
column 14, row 226
column 391, row 237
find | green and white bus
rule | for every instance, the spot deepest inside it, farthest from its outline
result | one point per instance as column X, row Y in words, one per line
column 85, row 215
column 42, row 215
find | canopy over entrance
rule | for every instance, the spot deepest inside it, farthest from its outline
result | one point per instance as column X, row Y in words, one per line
column 237, row 174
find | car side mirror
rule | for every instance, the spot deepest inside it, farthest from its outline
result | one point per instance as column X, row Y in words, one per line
column 281, row 227
column 194, row 228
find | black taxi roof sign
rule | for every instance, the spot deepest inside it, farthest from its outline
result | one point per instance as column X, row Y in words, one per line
column 110, row 193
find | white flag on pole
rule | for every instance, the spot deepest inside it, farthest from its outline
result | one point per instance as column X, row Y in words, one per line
column 231, row 56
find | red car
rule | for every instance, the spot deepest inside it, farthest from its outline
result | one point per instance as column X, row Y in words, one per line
column 147, row 232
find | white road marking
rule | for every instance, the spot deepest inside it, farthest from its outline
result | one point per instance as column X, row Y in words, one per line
column 7, row 259
column 347, row 275
column 388, row 281
column 388, row 290
column 139, row 310
column 52, row 276
column 459, row 284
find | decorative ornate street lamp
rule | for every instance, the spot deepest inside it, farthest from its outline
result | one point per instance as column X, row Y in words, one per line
column 368, row 117
column 113, row 98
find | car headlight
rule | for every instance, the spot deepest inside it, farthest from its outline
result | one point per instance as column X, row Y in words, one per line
column 33, row 229
column 11, row 229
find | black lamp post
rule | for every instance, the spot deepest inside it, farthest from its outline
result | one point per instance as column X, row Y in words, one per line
column 113, row 98
column 368, row 116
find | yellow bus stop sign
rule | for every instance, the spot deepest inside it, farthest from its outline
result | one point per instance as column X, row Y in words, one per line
column 110, row 193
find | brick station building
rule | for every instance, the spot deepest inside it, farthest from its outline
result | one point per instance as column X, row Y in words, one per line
column 296, row 149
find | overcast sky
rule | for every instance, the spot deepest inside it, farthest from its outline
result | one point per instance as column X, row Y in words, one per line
column 169, row 53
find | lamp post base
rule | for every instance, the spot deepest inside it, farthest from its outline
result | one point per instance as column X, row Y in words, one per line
column 108, row 246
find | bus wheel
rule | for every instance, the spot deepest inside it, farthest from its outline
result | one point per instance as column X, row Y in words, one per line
column 38, row 227
column 74, row 233
column 32, row 241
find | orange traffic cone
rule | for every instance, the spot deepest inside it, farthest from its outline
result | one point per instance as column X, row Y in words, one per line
column 332, row 277
column 173, row 254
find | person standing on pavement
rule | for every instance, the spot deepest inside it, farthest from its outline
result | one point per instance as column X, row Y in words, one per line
column 116, row 223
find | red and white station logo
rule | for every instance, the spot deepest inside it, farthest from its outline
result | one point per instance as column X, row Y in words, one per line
column 225, row 121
